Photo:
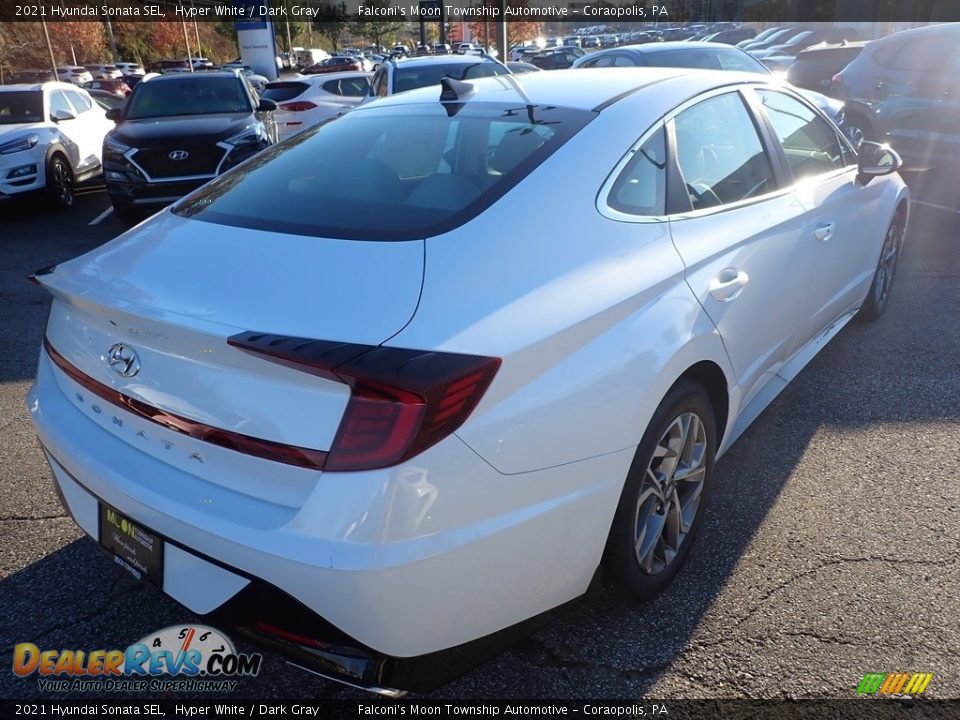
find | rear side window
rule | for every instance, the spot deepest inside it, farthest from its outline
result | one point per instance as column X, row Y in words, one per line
column 918, row 54
column 348, row 87
column 397, row 173
column 641, row 188
column 282, row 91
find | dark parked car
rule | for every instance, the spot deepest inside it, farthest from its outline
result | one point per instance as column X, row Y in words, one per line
column 518, row 68
column 162, row 66
column 761, row 36
column 805, row 39
column 815, row 67
column 904, row 89
column 30, row 77
column 175, row 132
column 698, row 55
column 556, row 58
column 731, row 37
column 781, row 35
column 337, row 63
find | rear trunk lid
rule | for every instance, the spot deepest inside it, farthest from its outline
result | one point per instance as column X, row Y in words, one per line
column 173, row 291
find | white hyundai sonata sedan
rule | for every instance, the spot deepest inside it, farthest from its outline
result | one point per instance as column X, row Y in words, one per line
column 395, row 387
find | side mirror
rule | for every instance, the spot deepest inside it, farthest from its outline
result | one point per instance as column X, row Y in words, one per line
column 61, row 115
column 875, row 160
column 266, row 105
column 114, row 114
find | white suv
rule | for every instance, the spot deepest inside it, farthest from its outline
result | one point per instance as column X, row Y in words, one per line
column 51, row 135
column 104, row 72
column 74, row 74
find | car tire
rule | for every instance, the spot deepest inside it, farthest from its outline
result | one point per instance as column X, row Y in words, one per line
column 660, row 511
column 879, row 292
column 126, row 212
column 60, row 183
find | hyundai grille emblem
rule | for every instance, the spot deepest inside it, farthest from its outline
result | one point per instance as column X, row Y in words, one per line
column 123, row 360
column 179, row 155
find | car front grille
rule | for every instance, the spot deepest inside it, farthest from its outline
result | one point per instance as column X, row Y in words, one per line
column 200, row 161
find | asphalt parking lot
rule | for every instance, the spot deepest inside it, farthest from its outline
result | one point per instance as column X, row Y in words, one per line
column 830, row 548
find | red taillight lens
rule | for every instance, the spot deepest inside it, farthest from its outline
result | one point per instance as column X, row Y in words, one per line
column 401, row 401
column 298, row 106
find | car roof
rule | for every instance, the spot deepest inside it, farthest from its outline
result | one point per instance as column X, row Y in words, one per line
column 439, row 60
column 814, row 49
column 577, row 88
column 36, row 87
column 167, row 77
column 651, row 48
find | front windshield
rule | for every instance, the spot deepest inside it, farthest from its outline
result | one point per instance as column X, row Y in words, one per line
column 187, row 95
column 21, row 106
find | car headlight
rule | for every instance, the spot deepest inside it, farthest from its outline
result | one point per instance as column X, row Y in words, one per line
column 250, row 135
column 112, row 147
column 20, row 144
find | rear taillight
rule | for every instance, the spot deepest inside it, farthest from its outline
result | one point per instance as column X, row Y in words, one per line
column 297, row 106
column 401, row 401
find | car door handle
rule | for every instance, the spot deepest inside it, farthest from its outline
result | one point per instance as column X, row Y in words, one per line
column 823, row 232
column 726, row 286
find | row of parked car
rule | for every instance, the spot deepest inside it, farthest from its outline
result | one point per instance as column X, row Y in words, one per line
column 902, row 89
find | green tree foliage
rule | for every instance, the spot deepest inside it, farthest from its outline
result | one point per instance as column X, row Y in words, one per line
column 331, row 23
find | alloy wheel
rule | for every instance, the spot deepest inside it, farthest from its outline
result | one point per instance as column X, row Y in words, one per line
column 888, row 262
column 62, row 184
column 670, row 493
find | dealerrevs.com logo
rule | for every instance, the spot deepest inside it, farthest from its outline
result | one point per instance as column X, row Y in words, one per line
column 192, row 658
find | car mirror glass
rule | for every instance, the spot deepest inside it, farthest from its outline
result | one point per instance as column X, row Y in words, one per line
column 61, row 115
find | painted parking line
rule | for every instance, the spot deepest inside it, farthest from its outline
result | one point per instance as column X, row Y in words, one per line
column 101, row 217
column 936, row 206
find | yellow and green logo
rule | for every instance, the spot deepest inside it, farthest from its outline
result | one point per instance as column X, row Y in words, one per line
column 894, row 683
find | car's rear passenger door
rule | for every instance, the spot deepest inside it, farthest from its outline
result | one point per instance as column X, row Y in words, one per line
column 739, row 232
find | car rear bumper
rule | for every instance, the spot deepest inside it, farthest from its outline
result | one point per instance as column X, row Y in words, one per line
column 405, row 562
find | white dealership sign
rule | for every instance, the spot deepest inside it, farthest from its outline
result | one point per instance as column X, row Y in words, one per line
column 257, row 42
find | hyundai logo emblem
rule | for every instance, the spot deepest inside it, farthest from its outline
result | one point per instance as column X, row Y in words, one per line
column 179, row 155
column 123, row 360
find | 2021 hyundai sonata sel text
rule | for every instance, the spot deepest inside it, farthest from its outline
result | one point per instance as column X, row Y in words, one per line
column 407, row 379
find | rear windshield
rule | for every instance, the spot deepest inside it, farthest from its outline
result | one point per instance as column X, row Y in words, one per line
column 395, row 173
column 187, row 95
column 281, row 91
column 423, row 75
column 21, row 106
